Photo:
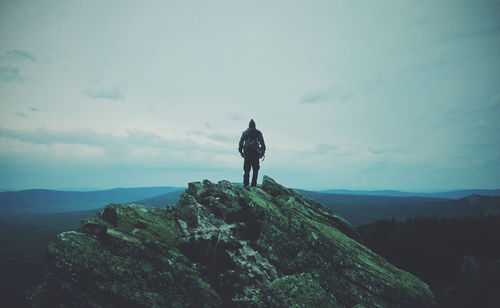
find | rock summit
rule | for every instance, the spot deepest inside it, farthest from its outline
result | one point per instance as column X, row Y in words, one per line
column 222, row 246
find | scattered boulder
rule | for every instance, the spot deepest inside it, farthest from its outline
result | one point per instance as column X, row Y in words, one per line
column 109, row 215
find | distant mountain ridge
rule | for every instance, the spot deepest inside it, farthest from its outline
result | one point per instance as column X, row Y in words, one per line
column 162, row 200
column 453, row 194
column 364, row 209
column 52, row 201
column 361, row 208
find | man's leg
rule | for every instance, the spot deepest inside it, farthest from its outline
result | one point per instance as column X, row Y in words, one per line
column 246, row 167
column 255, row 174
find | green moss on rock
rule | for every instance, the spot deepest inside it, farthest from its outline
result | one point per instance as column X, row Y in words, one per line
column 299, row 290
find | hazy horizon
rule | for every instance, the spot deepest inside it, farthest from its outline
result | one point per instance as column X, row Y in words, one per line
column 93, row 189
column 359, row 95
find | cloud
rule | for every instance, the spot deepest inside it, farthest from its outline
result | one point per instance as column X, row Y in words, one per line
column 320, row 96
column 18, row 56
column 9, row 61
column 326, row 148
column 333, row 150
column 86, row 156
column 134, row 138
column 21, row 114
column 132, row 145
column 46, row 137
column 224, row 138
column 9, row 73
column 105, row 93
column 339, row 92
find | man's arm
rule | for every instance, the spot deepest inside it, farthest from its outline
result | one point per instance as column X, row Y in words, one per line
column 262, row 143
column 240, row 147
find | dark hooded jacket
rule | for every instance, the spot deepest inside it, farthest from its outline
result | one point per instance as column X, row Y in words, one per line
column 252, row 141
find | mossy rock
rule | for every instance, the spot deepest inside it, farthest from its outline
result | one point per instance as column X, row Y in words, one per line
column 297, row 291
column 222, row 246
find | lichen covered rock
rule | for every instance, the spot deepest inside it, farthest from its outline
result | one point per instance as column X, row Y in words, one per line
column 222, row 246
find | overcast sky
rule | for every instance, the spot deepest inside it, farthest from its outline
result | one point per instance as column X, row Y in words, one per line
column 348, row 94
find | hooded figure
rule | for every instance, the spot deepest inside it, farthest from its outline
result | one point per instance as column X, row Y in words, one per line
column 251, row 148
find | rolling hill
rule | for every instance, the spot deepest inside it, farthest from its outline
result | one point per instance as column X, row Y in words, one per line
column 163, row 200
column 360, row 209
column 455, row 194
column 53, row 201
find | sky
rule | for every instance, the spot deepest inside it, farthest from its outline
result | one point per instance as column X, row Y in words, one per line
column 348, row 94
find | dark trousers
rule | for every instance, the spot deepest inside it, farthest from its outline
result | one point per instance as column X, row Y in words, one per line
column 251, row 162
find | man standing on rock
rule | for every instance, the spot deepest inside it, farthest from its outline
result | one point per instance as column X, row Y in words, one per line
column 251, row 148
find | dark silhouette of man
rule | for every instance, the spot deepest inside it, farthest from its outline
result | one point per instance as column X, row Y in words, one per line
column 251, row 148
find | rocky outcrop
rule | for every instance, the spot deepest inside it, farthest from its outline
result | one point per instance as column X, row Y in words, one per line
column 222, row 246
